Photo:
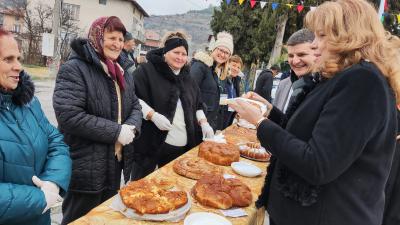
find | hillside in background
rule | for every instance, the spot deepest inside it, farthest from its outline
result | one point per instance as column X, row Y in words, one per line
column 195, row 23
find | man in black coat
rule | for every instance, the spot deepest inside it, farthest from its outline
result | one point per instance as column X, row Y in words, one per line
column 265, row 81
column 126, row 56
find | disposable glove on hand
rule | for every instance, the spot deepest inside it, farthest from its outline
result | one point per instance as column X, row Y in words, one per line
column 207, row 130
column 161, row 121
column 127, row 134
column 146, row 109
column 50, row 191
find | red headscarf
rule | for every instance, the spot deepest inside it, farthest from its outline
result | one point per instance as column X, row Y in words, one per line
column 96, row 40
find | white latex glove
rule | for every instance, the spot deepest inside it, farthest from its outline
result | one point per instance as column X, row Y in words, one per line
column 161, row 121
column 145, row 108
column 207, row 130
column 127, row 134
column 50, row 191
column 200, row 115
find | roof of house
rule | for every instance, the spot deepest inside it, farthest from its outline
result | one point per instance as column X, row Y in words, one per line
column 12, row 12
column 139, row 7
column 152, row 35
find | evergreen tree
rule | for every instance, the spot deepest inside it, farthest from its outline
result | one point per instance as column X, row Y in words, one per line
column 254, row 30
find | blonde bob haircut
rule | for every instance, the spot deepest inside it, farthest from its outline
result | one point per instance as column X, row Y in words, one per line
column 353, row 33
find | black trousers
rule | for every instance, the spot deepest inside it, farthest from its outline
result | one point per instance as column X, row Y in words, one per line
column 167, row 153
column 76, row 204
column 144, row 165
column 271, row 222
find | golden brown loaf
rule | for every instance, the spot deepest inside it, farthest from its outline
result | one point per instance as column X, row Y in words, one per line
column 235, row 134
column 151, row 197
column 219, row 153
column 217, row 192
column 194, row 167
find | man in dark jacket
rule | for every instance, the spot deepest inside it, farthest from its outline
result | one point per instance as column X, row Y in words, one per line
column 301, row 58
column 264, row 83
column 126, row 56
column 99, row 114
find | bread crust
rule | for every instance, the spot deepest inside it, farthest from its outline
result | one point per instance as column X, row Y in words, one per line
column 219, row 153
column 217, row 192
column 235, row 135
column 151, row 197
column 195, row 167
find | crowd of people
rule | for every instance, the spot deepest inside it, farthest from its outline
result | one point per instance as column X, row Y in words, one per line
column 332, row 125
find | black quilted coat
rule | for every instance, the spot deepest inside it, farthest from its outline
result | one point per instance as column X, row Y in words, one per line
column 86, row 105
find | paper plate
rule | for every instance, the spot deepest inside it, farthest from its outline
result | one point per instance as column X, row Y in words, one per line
column 205, row 218
column 246, row 169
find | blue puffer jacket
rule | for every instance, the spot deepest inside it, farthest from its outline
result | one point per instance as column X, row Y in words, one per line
column 29, row 145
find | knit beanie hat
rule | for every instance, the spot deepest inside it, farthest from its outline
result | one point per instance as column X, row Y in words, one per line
column 224, row 39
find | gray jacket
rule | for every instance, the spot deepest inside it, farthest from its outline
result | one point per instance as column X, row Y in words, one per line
column 282, row 93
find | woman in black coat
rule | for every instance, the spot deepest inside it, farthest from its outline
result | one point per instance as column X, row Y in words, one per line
column 391, row 214
column 99, row 114
column 334, row 157
column 208, row 69
column 173, row 115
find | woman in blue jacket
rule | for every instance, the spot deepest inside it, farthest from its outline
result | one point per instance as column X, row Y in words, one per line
column 35, row 167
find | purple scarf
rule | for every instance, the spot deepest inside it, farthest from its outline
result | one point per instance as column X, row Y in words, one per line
column 96, row 40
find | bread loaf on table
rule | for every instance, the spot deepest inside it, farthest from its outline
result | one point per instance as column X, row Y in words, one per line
column 195, row 167
column 217, row 192
column 219, row 153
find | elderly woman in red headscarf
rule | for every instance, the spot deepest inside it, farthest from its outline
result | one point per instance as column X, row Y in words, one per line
column 99, row 114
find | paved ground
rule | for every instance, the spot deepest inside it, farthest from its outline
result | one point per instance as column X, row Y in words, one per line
column 44, row 91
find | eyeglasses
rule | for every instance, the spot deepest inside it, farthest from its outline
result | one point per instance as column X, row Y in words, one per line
column 223, row 51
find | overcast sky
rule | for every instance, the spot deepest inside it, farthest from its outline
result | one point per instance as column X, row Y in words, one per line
column 168, row 7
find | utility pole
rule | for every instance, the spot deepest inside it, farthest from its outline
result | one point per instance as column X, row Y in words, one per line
column 55, row 31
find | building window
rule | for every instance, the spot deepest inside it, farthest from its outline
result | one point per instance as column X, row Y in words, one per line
column 1, row 19
column 102, row 2
column 72, row 10
column 17, row 28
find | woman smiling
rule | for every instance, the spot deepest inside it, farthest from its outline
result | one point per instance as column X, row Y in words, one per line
column 99, row 114
column 174, row 121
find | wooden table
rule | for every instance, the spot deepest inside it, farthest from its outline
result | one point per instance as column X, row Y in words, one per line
column 102, row 214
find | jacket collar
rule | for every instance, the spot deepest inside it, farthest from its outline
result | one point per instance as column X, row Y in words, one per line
column 157, row 59
column 204, row 58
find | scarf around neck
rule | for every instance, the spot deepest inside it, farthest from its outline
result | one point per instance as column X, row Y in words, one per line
column 96, row 40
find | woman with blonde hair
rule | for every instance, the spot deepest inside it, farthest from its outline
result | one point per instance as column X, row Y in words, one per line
column 174, row 121
column 334, row 155
column 208, row 69
column 231, row 87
